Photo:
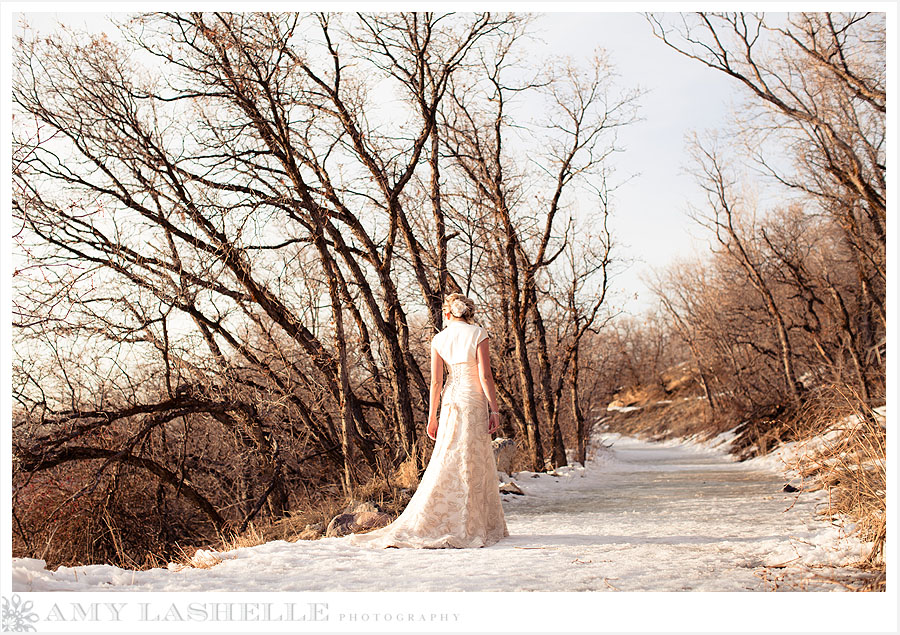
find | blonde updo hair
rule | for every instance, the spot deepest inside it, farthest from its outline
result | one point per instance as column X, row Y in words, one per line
column 458, row 305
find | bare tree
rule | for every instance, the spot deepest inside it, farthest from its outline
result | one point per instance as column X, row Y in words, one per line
column 587, row 285
column 727, row 213
column 586, row 112
column 819, row 82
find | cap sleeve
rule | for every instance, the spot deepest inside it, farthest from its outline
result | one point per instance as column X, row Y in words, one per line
column 480, row 336
column 436, row 344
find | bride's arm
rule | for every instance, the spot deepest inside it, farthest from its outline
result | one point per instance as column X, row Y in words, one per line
column 483, row 355
column 437, row 379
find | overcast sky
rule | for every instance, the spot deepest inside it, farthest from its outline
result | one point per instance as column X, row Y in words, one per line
column 649, row 218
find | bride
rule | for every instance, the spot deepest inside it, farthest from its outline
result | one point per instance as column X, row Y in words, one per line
column 457, row 503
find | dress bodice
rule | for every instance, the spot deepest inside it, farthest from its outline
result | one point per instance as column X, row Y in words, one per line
column 462, row 380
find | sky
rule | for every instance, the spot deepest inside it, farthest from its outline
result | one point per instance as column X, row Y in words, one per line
column 649, row 218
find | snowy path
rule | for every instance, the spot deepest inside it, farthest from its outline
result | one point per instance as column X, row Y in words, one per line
column 644, row 516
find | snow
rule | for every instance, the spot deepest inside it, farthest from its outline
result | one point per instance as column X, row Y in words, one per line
column 614, row 407
column 666, row 516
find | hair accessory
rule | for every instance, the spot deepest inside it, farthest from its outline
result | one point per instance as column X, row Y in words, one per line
column 458, row 307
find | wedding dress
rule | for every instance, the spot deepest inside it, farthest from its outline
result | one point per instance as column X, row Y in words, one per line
column 457, row 503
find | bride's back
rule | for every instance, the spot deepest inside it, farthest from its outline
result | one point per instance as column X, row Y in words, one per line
column 458, row 342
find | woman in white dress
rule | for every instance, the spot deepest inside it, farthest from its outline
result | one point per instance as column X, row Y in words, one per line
column 457, row 503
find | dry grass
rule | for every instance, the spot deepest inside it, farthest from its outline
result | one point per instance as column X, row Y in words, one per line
column 800, row 578
column 251, row 537
column 848, row 462
column 293, row 527
column 641, row 395
column 683, row 416
column 405, row 476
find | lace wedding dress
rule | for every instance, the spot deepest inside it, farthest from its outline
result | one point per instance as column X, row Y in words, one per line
column 457, row 503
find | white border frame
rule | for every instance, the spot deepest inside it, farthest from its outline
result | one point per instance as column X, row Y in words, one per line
column 482, row 611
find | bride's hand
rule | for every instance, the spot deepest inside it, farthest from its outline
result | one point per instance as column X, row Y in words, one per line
column 493, row 423
column 432, row 429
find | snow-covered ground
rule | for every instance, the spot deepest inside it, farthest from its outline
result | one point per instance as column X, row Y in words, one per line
column 670, row 516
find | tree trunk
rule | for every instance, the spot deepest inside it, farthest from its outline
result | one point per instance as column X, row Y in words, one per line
column 580, row 431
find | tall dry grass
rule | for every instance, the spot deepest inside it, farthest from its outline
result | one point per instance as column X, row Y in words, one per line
column 845, row 454
column 296, row 526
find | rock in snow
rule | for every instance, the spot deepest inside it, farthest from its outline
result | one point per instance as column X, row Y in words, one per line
column 511, row 488
column 344, row 524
